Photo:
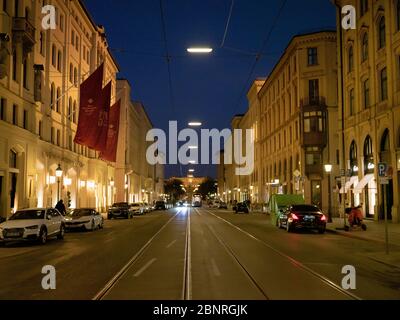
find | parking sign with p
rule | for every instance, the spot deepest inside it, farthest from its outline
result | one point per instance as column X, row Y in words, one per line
column 382, row 168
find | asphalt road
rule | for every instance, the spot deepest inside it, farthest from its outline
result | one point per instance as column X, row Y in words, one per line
column 196, row 254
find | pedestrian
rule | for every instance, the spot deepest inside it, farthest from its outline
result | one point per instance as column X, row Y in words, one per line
column 61, row 207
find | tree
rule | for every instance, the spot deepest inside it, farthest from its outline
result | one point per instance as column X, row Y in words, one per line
column 173, row 187
column 208, row 187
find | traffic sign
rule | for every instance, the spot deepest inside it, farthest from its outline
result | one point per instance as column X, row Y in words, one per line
column 383, row 180
column 382, row 169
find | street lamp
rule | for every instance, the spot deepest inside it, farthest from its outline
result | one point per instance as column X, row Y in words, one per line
column 328, row 170
column 59, row 173
column 200, row 50
column 195, row 124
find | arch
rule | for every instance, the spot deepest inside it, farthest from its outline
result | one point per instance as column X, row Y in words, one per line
column 385, row 141
column 353, row 156
column 368, row 155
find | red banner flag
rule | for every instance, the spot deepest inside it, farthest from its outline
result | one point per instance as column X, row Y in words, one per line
column 93, row 109
column 99, row 137
column 110, row 152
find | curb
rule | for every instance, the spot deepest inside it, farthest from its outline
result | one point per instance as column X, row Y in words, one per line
column 350, row 235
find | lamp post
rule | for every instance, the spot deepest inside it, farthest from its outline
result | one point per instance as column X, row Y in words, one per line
column 59, row 173
column 328, row 170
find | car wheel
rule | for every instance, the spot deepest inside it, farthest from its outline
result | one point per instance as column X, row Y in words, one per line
column 43, row 236
column 101, row 225
column 61, row 234
column 321, row 230
column 109, row 217
column 289, row 228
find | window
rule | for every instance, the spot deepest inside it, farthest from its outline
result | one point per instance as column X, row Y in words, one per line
column 52, row 135
column 59, row 61
column 351, row 59
column 58, row 137
column 381, row 33
column 398, row 15
column 14, row 67
column 363, row 7
column 351, row 103
column 77, row 43
column 366, row 94
column 58, row 101
column 313, row 86
column 312, row 56
column 40, row 129
column 42, row 43
column 25, row 73
column 73, row 37
column 54, row 56
column 71, row 73
column 313, row 157
column 52, row 95
column 3, row 109
column 69, row 113
column 16, row 8
column 15, row 115
column 5, row 5
column 74, row 113
column 364, row 53
column 26, row 119
column 384, row 84
column 13, row 159
column 61, row 22
column 368, row 156
column 313, row 122
column 75, row 77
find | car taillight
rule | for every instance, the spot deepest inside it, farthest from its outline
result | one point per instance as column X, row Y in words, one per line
column 323, row 218
column 294, row 216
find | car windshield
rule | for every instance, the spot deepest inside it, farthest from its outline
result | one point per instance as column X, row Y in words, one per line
column 121, row 204
column 160, row 202
column 306, row 208
column 135, row 205
column 80, row 213
column 28, row 215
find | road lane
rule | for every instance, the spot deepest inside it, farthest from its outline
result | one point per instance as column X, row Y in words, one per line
column 157, row 274
column 84, row 261
column 327, row 254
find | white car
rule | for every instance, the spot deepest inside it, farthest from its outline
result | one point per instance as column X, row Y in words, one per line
column 86, row 218
column 33, row 224
column 137, row 208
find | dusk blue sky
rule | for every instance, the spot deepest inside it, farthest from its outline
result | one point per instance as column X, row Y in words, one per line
column 211, row 88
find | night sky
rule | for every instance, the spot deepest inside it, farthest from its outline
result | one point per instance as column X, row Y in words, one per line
column 210, row 88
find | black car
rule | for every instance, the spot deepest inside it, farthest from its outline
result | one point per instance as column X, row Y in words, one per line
column 120, row 210
column 160, row 205
column 241, row 207
column 302, row 217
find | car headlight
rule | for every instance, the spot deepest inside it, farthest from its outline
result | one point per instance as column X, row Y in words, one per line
column 32, row 228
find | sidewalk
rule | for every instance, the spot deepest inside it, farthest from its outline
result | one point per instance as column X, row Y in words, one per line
column 375, row 231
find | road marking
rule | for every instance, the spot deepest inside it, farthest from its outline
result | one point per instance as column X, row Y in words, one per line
column 171, row 244
column 187, row 272
column 129, row 264
column 215, row 268
column 146, row 266
column 198, row 212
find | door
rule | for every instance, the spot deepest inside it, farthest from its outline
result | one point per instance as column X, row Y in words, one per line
column 13, row 189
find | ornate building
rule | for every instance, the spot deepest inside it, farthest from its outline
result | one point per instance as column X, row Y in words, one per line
column 369, row 103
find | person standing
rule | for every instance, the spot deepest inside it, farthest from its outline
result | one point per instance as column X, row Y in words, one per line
column 61, row 207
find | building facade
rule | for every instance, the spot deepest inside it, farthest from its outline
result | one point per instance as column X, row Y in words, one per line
column 142, row 182
column 369, row 103
column 293, row 114
column 40, row 74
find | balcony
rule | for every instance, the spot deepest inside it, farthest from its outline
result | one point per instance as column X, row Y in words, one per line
column 23, row 32
column 313, row 124
column 314, row 169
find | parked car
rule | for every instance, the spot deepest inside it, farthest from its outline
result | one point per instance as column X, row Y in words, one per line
column 84, row 218
column 242, row 207
column 137, row 209
column 160, row 205
column 303, row 217
column 223, row 205
column 33, row 225
column 147, row 207
column 120, row 210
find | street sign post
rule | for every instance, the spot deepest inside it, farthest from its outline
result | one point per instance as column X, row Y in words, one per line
column 384, row 180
